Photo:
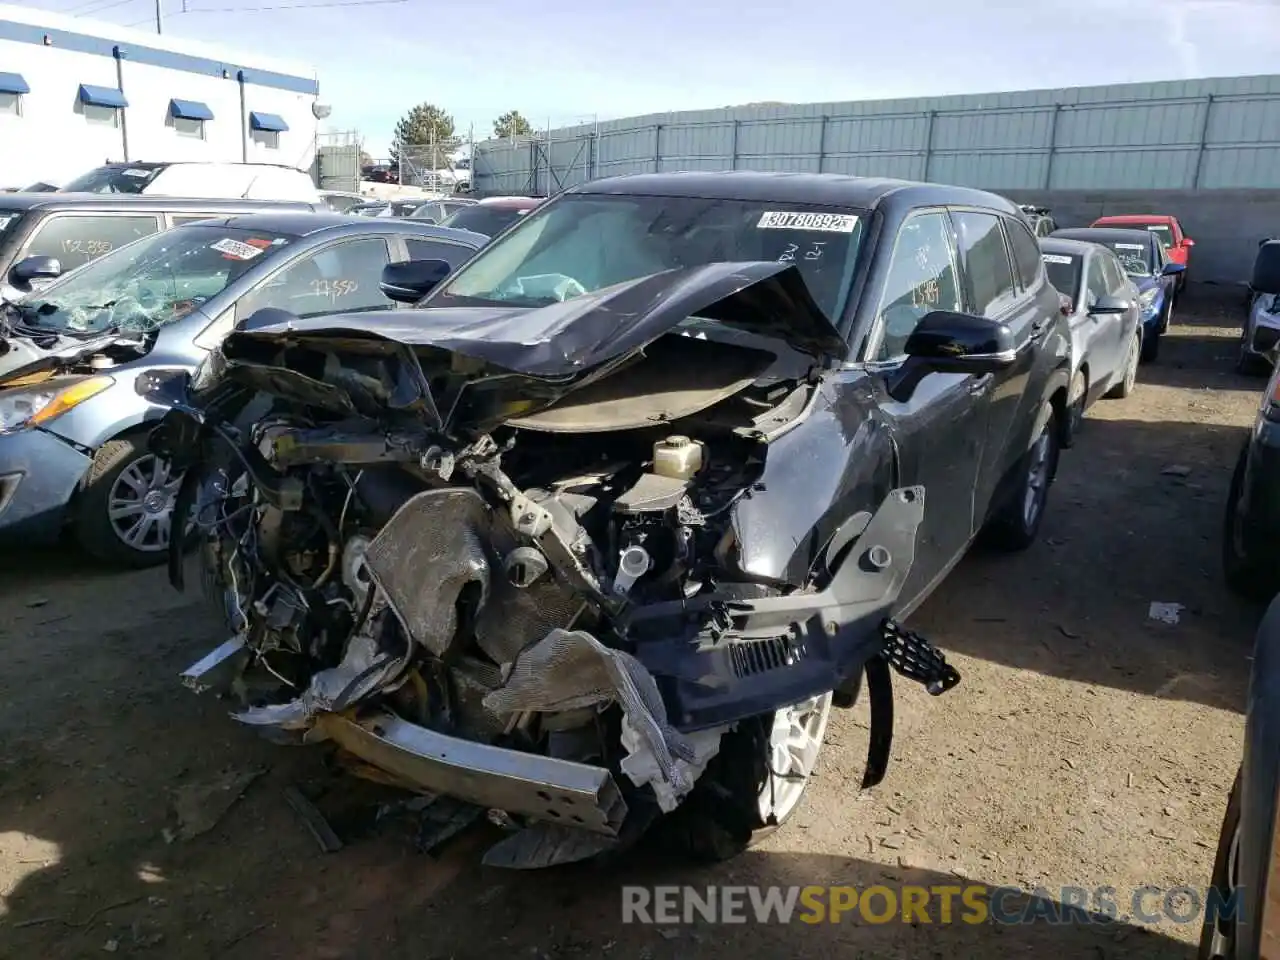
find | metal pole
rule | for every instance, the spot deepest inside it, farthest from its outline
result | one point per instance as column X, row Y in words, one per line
column 822, row 142
column 657, row 146
column 928, row 144
column 733, row 148
column 1053, row 147
column 1204, row 136
column 158, row 28
column 123, row 111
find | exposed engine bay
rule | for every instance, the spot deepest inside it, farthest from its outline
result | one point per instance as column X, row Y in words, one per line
column 523, row 592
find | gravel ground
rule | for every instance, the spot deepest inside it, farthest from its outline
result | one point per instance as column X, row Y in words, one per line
column 1086, row 746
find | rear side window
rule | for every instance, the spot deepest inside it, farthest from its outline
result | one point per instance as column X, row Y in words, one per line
column 1026, row 253
column 77, row 239
column 455, row 254
column 985, row 262
column 1064, row 273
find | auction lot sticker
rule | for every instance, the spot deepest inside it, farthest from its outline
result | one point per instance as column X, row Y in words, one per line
column 1055, row 258
column 235, row 249
column 826, row 222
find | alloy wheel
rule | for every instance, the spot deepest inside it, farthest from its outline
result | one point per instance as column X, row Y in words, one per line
column 140, row 505
column 1037, row 479
column 1131, row 364
column 794, row 743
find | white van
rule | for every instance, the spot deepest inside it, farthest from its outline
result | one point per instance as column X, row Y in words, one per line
column 223, row 181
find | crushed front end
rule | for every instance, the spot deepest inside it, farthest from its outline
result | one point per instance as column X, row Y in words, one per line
column 551, row 623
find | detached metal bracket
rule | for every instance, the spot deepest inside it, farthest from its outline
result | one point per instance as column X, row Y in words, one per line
column 916, row 659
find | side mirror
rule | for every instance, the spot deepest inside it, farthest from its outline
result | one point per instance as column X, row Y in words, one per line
column 1172, row 269
column 34, row 268
column 946, row 342
column 1107, row 305
column 411, row 280
column 1188, row 242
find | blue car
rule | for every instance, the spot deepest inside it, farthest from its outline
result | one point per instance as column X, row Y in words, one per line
column 72, row 426
column 1152, row 272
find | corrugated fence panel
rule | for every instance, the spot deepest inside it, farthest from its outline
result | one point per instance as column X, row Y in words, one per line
column 1184, row 134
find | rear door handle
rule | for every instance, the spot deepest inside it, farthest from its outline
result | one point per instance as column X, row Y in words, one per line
column 980, row 385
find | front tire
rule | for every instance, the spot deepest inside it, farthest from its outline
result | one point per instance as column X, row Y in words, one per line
column 753, row 785
column 1151, row 346
column 125, row 504
column 1217, row 939
column 1074, row 419
column 1125, row 387
column 1017, row 524
column 1246, row 575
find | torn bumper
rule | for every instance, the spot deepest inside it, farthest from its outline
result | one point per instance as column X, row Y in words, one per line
column 543, row 788
column 717, row 659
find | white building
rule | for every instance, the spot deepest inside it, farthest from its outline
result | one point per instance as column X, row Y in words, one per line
column 75, row 93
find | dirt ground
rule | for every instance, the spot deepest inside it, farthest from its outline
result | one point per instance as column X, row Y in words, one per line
column 1087, row 745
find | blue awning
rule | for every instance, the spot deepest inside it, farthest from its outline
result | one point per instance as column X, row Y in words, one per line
column 267, row 121
column 102, row 96
column 189, row 110
column 13, row 83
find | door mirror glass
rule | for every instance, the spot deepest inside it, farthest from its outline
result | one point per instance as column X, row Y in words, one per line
column 1109, row 304
column 34, row 268
column 947, row 342
column 959, row 342
column 1188, row 242
column 411, row 280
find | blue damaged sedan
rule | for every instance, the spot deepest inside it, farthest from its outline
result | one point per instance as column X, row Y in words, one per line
column 72, row 427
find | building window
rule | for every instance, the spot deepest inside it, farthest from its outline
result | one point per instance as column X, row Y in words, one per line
column 188, row 117
column 186, row 127
column 101, row 106
column 101, row 116
column 10, row 104
column 265, row 129
column 12, row 87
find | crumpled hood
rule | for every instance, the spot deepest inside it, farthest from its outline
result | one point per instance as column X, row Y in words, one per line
column 569, row 337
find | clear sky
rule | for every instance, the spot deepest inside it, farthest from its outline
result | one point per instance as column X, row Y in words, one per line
column 567, row 61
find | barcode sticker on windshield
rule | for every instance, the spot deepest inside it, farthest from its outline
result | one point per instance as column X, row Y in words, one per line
column 137, row 172
column 1129, row 246
column 1055, row 258
column 235, row 249
column 826, row 222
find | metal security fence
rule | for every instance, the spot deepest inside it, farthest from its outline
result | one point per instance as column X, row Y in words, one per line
column 1183, row 135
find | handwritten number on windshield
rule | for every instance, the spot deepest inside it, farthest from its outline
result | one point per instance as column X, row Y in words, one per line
column 87, row 248
column 813, row 253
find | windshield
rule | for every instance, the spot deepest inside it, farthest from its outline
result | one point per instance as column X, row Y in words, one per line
column 151, row 282
column 1134, row 257
column 482, row 218
column 113, row 179
column 1064, row 273
column 584, row 242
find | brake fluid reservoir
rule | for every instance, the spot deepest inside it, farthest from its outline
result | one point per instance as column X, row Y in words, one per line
column 677, row 457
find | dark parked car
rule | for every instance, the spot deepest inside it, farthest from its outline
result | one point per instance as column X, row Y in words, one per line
column 1242, row 907
column 43, row 235
column 675, row 445
column 491, row 215
column 1143, row 257
column 72, row 434
column 1251, row 527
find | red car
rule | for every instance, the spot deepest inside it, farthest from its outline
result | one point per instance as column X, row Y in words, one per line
column 1177, row 245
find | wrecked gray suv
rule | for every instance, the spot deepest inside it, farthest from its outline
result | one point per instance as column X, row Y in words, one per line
column 596, row 536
